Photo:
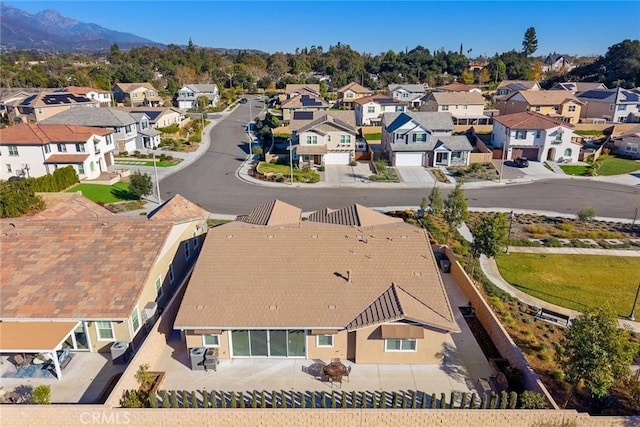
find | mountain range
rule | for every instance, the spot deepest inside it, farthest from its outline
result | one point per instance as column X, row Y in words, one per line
column 50, row 30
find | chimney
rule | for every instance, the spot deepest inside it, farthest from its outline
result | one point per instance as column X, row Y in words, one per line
column 348, row 276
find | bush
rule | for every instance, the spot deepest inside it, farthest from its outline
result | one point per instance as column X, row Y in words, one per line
column 587, row 213
column 41, row 395
column 133, row 399
column 532, row 400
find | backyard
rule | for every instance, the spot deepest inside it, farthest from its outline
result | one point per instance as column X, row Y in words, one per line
column 574, row 281
column 99, row 193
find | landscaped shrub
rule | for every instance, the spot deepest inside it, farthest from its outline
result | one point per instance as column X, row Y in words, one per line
column 513, row 400
column 474, row 401
column 303, row 400
column 483, row 401
column 323, row 400
column 414, row 400
column 333, row 399
column 494, row 401
column 313, row 400
column 185, row 400
column 153, row 399
column 354, row 399
column 463, row 400
column 274, row 400
column 503, row 400
column 394, row 400
column 234, row 403
column 363, row 399
column 443, row 401
column 283, row 399
column 214, row 399
column 165, row 399
column 174, row 399
column 41, row 395
column 453, row 398
column 434, row 401
column 343, row 400
column 404, row 400
column 241, row 397
column 194, row 400
column 383, row 400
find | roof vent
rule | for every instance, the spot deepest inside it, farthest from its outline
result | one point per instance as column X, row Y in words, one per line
column 314, row 236
column 229, row 236
column 331, row 307
column 348, row 276
column 417, row 273
column 273, row 307
column 200, row 307
column 271, row 236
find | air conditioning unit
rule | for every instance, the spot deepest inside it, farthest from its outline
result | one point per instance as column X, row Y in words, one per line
column 150, row 309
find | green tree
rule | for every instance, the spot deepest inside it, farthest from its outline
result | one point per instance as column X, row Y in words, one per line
column 140, row 184
column 203, row 102
column 455, row 209
column 435, row 201
column 467, row 77
column 532, row 400
column 596, row 351
column 41, row 395
column 501, row 70
column 530, row 42
column 587, row 213
column 489, row 237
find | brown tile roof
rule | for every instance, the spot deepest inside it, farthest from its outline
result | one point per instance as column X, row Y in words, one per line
column 546, row 97
column 178, row 209
column 294, row 87
column 456, row 87
column 83, row 90
column 456, row 98
column 296, row 102
column 528, row 120
column 320, row 276
column 354, row 87
column 275, row 212
column 66, row 158
column 355, row 214
column 33, row 336
column 69, row 206
column 39, row 134
column 129, row 87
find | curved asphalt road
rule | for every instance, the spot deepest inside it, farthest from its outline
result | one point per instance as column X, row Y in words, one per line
column 211, row 181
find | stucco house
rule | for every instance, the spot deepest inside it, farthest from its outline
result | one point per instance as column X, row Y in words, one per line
column 507, row 87
column 369, row 110
column 423, row 139
column 159, row 117
column 557, row 62
column 148, row 137
column 304, row 101
column 294, row 89
column 359, row 285
column 348, row 93
column 457, row 87
column 188, row 95
column 55, row 298
column 36, row 149
column 36, row 107
column 577, row 87
column 409, row 93
column 534, row 136
column 324, row 138
column 466, row 108
column 100, row 95
column 123, row 124
column 628, row 144
column 136, row 94
column 614, row 105
column 558, row 104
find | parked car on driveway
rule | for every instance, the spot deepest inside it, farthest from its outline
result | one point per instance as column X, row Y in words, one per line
column 522, row 162
column 243, row 101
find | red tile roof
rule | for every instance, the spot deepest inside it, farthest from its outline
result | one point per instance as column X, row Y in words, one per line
column 529, row 120
column 40, row 134
column 67, row 158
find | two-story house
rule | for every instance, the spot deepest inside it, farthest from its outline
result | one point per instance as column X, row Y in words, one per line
column 507, row 87
column 457, row 87
column 159, row 117
column 36, row 107
column 348, row 93
column 92, row 279
column 409, row 93
column 558, row 104
column 614, row 105
column 557, row 62
column 294, row 89
column 324, row 138
column 577, row 87
column 304, row 101
column 33, row 150
column 136, row 94
column 148, row 137
column 423, row 139
column 369, row 110
column 187, row 97
column 628, row 144
column 466, row 108
column 102, row 96
column 123, row 125
column 534, row 136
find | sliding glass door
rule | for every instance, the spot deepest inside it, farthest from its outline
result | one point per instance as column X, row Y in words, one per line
column 268, row 343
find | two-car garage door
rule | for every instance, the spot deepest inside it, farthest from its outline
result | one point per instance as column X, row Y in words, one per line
column 409, row 159
column 337, row 159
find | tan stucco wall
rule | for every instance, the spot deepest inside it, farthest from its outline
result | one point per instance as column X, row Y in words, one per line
column 120, row 332
column 192, row 341
column 339, row 348
column 370, row 348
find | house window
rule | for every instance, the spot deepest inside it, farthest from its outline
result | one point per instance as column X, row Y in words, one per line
column 405, row 95
column 47, row 149
column 348, row 95
column 537, row 109
column 187, row 251
column 465, row 107
column 80, row 169
column 79, row 148
column 212, row 340
column 13, row 150
column 345, row 139
column 445, row 108
column 196, row 242
column 419, row 137
column 62, row 148
column 312, row 139
column 109, row 140
column 567, row 152
column 538, row 134
column 135, row 320
column 9, row 168
column 127, row 128
column 572, row 108
column 556, row 107
column 324, row 340
column 610, row 107
column 159, row 287
column 622, row 107
column 521, row 134
column 400, row 344
column 631, row 148
column 105, row 331
column 399, row 108
column 171, row 275
column 371, row 109
column 328, row 138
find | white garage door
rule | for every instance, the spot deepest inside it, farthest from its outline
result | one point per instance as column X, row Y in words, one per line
column 409, row 159
column 337, row 159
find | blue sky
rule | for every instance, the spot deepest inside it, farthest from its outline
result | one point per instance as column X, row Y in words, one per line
column 486, row 27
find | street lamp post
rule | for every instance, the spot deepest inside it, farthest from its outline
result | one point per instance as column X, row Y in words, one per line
column 633, row 307
column 511, row 215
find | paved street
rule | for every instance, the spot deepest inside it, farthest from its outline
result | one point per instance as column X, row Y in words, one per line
column 211, row 181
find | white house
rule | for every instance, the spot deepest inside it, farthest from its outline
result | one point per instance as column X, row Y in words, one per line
column 102, row 96
column 188, row 95
column 369, row 109
column 33, row 150
column 148, row 137
column 410, row 93
column 534, row 136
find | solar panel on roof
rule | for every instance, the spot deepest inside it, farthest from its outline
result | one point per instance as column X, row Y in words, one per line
column 631, row 96
column 302, row 115
column 28, row 100
column 596, row 94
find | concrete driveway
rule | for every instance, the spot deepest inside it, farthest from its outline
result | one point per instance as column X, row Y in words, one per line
column 345, row 175
column 536, row 170
column 415, row 175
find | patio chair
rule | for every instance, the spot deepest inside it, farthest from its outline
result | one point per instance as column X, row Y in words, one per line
column 346, row 375
column 19, row 360
column 336, row 379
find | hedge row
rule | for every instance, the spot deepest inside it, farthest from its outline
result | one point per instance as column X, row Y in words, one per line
column 333, row 399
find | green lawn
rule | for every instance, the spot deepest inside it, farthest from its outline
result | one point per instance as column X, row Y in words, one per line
column 574, row 281
column 579, row 170
column 298, row 174
column 618, row 166
column 117, row 192
column 373, row 136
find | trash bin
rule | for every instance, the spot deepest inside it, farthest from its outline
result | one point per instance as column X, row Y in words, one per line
column 445, row 265
column 196, row 356
column 120, row 352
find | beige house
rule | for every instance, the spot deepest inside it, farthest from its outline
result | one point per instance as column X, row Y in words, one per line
column 35, row 107
column 347, row 94
column 466, row 108
column 558, row 104
column 507, row 87
column 324, row 138
column 293, row 89
column 137, row 94
column 350, row 283
column 76, row 277
column 628, row 144
column 304, row 101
